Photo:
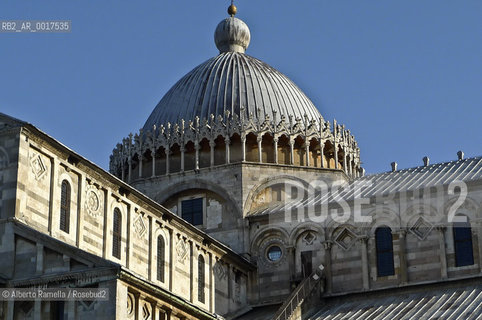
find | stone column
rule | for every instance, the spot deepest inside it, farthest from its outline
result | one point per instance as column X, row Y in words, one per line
column 140, row 165
column 259, row 139
column 365, row 268
column 212, row 292
column 402, row 256
column 307, row 150
column 345, row 167
column 227, row 141
column 183, row 150
column 292, row 152
column 196, row 160
column 275, row 142
column 443, row 253
column 243, row 148
column 212, row 144
column 327, row 245
column 291, row 262
column 322, row 155
column 478, row 228
column 167, row 150
column 129, row 173
column 153, row 153
column 336, row 155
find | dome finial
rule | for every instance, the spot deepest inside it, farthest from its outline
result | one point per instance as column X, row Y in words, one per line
column 232, row 9
column 232, row 34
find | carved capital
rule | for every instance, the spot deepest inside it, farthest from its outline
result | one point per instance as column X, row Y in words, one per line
column 327, row 244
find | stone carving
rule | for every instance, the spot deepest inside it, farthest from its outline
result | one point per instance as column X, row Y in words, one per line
column 146, row 312
column 421, row 228
column 219, row 271
column 39, row 169
column 181, row 250
column 93, row 201
column 195, row 130
column 139, row 226
column 346, row 239
column 309, row 238
column 130, row 305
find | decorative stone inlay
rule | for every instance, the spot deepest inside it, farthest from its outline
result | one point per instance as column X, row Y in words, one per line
column 146, row 312
column 93, row 201
column 421, row 228
column 39, row 169
column 181, row 250
column 346, row 239
column 130, row 304
column 219, row 271
column 139, row 226
column 309, row 238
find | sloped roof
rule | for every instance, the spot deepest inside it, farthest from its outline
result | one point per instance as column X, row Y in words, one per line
column 462, row 302
column 466, row 170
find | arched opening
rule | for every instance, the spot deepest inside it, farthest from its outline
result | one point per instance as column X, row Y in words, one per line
column 204, row 154
column 116, row 233
column 161, row 258
column 160, row 161
column 175, row 159
column 219, row 151
column 341, row 158
column 464, row 254
column 299, row 152
column 251, row 148
column 283, row 150
column 65, row 206
column 201, row 280
column 329, row 155
column 315, row 156
column 189, row 156
column 235, row 149
column 267, row 147
column 384, row 249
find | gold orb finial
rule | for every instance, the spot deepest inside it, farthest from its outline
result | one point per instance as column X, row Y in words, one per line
column 232, row 10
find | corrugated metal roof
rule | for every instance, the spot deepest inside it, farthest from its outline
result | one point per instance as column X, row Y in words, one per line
column 228, row 82
column 450, row 303
column 392, row 182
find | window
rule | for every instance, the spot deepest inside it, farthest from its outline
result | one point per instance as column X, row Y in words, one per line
column 274, row 253
column 200, row 281
column 116, row 234
column 65, row 206
column 306, row 263
column 384, row 248
column 464, row 255
column 161, row 249
column 192, row 211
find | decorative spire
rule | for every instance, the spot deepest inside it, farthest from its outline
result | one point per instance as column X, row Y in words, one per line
column 232, row 34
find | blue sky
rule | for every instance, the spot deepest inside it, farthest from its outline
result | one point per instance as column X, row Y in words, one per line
column 404, row 76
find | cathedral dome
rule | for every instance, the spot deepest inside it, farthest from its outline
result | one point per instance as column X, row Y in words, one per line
column 232, row 83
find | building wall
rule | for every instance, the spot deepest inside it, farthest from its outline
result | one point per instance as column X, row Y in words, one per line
column 94, row 196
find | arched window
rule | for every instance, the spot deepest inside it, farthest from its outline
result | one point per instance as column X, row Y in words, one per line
column 200, row 279
column 116, row 234
column 464, row 255
column 161, row 251
column 384, row 247
column 65, row 206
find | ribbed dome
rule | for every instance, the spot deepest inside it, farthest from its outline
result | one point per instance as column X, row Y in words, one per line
column 226, row 83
